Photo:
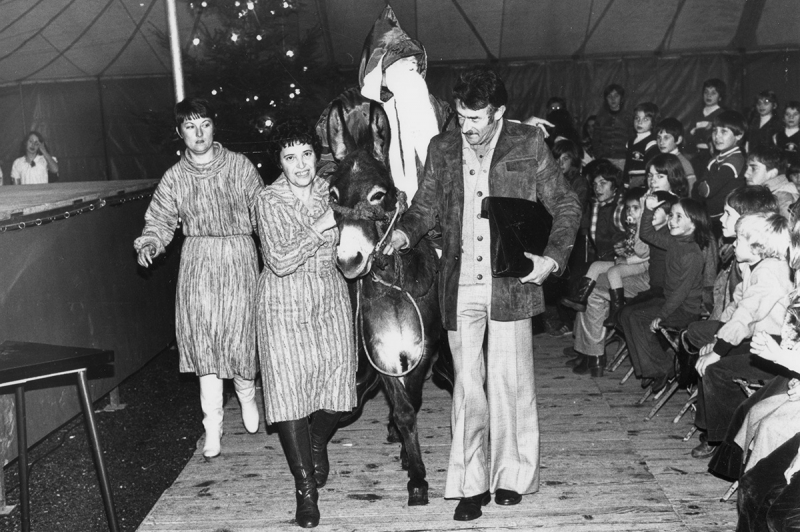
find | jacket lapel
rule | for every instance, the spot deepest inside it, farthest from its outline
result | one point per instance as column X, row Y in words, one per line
column 504, row 145
column 454, row 158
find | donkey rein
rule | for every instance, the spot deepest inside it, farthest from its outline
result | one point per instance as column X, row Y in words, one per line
column 382, row 242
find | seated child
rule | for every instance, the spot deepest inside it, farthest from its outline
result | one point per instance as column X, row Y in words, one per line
column 764, row 167
column 701, row 127
column 601, row 225
column 759, row 304
column 768, row 490
column 555, row 102
column 665, row 172
column 657, row 264
column 683, row 288
column 567, row 154
column 775, row 419
column 669, row 136
column 788, row 138
column 590, row 329
column 725, row 171
column 744, row 200
column 631, row 259
column 765, row 124
column 792, row 163
column 643, row 146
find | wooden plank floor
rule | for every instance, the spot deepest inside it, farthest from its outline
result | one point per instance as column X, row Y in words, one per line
column 603, row 468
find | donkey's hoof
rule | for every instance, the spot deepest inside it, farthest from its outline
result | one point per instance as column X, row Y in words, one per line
column 417, row 493
column 393, row 435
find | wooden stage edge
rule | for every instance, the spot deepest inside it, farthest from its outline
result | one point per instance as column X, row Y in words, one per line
column 603, row 469
column 16, row 201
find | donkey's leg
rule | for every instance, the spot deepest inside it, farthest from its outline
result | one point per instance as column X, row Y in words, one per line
column 443, row 370
column 406, row 400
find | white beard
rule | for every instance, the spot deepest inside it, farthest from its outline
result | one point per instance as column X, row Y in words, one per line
column 413, row 124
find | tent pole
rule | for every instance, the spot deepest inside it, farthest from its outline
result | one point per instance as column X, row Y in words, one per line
column 103, row 128
column 175, row 50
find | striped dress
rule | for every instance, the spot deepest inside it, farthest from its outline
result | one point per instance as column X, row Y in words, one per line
column 215, row 302
column 305, row 329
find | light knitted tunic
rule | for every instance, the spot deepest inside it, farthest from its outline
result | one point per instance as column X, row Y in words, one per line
column 305, row 329
column 215, row 301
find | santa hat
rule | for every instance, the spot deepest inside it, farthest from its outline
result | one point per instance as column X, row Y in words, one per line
column 385, row 44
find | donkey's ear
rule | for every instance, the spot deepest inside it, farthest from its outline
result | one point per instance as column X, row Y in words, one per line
column 381, row 133
column 339, row 139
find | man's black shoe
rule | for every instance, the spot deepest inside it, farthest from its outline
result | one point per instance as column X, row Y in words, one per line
column 507, row 497
column 469, row 508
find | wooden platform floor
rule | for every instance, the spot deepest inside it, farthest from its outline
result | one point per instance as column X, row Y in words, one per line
column 603, row 468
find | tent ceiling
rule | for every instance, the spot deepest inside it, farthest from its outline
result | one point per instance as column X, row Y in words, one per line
column 43, row 40
column 468, row 30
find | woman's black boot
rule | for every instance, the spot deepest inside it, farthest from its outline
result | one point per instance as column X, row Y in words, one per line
column 323, row 423
column 296, row 441
column 581, row 297
column 616, row 302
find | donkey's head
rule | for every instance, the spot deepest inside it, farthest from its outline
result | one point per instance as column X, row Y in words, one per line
column 361, row 187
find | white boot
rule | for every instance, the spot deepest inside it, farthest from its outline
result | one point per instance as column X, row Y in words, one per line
column 246, row 392
column 211, row 403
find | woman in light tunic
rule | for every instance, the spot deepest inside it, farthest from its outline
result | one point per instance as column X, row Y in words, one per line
column 36, row 163
column 211, row 191
column 305, row 331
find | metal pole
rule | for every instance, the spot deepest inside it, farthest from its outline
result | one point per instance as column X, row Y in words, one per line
column 97, row 451
column 22, row 458
column 175, row 50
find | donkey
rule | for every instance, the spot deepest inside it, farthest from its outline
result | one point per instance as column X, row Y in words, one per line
column 397, row 304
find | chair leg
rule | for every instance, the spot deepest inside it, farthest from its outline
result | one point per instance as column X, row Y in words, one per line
column 673, row 387
column 619, row 358
column 626, row 377
column 647, row 393
column 730, row 492
column 663, row 390
column 690, row 433
column 692, row 400
column 22, row 458
column 97, row 452
column 616, row 360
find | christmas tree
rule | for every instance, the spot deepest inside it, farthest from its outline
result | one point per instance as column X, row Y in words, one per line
column 250, row 60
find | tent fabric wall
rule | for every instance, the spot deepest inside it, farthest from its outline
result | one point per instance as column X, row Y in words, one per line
column 84, row 72
column 97, row 132
column 94, row 128
column 673, row 83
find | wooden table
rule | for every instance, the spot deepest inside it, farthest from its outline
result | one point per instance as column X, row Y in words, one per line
column 22, row 362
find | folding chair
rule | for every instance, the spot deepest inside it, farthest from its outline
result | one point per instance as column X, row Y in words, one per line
column 614, row 335
column 664, row 395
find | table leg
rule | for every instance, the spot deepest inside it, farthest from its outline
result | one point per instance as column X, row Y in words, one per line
column 22, row 457
column 97, row 452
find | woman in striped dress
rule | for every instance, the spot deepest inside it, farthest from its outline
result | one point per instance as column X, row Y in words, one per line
column 305, row 330
column 211, row 191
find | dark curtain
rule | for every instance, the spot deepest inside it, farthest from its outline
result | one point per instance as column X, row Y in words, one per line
column 97, row 129
column 674, row 83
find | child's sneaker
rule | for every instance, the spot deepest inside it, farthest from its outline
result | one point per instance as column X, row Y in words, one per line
column 559, row 329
